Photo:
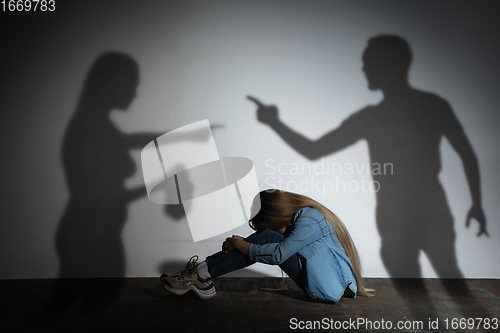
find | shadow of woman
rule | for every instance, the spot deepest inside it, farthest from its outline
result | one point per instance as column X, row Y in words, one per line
column 96, row 160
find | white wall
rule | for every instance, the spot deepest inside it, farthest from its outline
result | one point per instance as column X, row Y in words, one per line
column 198, row 60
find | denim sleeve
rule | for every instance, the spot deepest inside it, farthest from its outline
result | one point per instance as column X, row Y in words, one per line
column 305, row 231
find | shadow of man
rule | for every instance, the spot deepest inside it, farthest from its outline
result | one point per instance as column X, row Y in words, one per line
column 403, row 133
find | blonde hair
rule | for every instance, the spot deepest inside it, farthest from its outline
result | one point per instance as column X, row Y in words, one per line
column 277, row 209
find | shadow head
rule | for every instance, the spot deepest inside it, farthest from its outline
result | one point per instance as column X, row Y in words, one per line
column 112, row 81
column 386, row 61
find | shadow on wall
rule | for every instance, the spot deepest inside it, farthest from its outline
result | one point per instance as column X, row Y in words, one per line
column 403, row 133
column 96, row 162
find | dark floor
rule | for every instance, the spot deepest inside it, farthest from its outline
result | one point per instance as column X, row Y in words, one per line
column 245, row 305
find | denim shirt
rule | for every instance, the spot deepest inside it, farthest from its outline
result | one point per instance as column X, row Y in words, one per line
column 329, row 271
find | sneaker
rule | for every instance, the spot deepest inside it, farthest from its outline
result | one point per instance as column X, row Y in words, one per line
column 188, row 279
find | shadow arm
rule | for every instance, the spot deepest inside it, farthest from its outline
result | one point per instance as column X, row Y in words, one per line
column 136, row 193
column 331, row 142
column 341, row 137
column 139, row 140
column 458, row 140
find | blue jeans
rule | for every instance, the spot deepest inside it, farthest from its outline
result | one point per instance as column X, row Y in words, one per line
column 221, row 263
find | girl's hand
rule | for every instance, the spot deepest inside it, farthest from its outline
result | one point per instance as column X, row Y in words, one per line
column 230, row 243
column 236, row 243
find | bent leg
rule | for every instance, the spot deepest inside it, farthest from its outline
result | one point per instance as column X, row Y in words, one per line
column 222, row 263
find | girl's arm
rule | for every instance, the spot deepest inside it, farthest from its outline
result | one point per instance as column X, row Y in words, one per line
column 304, row 232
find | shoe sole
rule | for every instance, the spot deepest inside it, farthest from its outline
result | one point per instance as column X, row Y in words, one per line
column 203, row 294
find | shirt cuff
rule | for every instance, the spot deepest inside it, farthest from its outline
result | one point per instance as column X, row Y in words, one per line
column 251, row 251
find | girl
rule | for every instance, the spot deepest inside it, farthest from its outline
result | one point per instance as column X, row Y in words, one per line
column 308, row 241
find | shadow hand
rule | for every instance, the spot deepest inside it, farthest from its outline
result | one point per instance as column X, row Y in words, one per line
column 476, row 212
column 267, row 114
column 216, row 126
column 175, row 211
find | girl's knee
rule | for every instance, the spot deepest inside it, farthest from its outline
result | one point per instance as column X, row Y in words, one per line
column 265, row 236
column 273, row 234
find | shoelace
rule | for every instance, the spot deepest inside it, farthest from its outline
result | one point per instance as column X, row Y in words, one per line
column 189, row 269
